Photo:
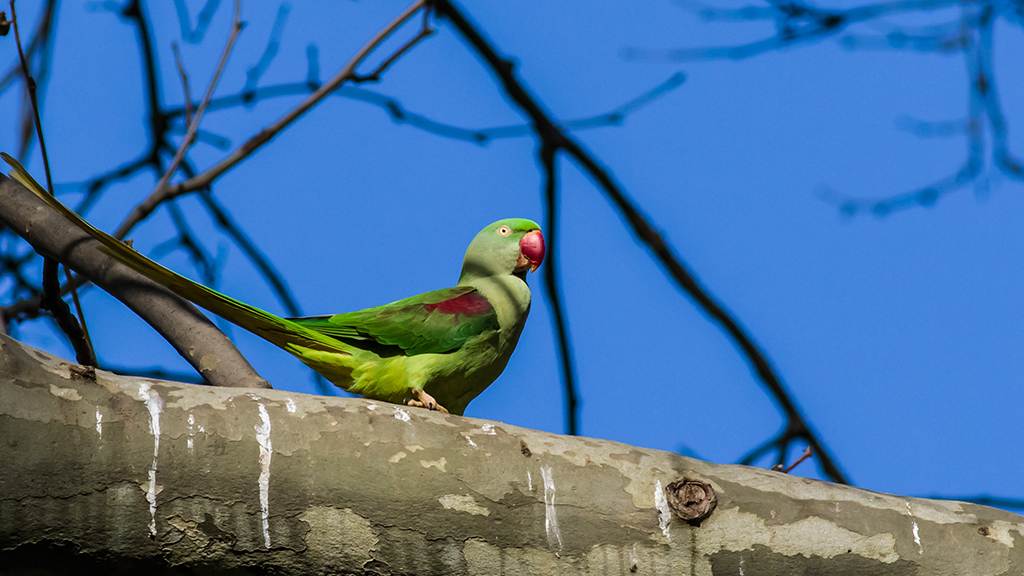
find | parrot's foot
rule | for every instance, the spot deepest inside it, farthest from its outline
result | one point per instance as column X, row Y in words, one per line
column 424, row 400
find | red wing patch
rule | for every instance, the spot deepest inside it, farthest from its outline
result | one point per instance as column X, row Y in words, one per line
column 469, row 304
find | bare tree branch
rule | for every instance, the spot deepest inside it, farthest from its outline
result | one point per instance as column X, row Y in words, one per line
column 399, row 114
column 188, row 33
column 347, row 73
column 971, row 35
column 195, row 338
column 252, row 77
column 285, row 483
column 73, row 329
column 548, row 160
column 160, row 192
column 184, row 84
column 795, row 23
column 425, row 32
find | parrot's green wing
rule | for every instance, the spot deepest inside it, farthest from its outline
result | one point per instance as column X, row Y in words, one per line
column 430, row 323
column 274, row 328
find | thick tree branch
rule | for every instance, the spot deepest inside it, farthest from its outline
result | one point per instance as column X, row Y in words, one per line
column 120, row 475
column 195, row 338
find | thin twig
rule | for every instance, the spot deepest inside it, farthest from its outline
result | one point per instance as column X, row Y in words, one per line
column 970, row 35
column 40, row 40
column 160, row 191
column 157, row 121
column 222, row 218
column 30, row 85
column 346, row 74
column 78, row 305
column 548, row 161
column 400, row 115
column 807, row 454
column 984, row 111
column 796, row 23
column 28, row 308
column 193, row 126
column 195, row 35
column 202, row 261
column 165, row 192
column 184, row 83
column 74, row 331
column 425, row 31
column 24, row 309
column 252, row 76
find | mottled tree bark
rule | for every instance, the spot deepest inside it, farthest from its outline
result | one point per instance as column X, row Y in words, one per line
column 125, row 475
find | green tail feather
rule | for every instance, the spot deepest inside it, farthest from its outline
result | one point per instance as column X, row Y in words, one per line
column 277, row 330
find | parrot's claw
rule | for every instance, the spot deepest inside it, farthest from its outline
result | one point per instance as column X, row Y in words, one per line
column 424, row 400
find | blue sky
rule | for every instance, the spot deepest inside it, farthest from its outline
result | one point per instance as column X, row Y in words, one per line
column 899, row 336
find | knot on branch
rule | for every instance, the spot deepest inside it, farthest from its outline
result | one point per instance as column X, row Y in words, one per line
column 693, row 500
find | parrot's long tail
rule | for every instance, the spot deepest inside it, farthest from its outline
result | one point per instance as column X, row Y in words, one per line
column 277, row 330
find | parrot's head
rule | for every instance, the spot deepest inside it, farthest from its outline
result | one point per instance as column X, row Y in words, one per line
column 506, row 247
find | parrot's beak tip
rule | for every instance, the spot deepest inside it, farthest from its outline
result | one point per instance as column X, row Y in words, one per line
column 531, row 250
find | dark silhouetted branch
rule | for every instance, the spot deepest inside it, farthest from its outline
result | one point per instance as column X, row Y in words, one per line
column 252, row 77
column 160, row 192
column 400, row 115
column 547, row 155
column 985, row 122
column 795, row 23
column 188, row 33
column 346, row 74
column 73, row 329
column 971, row 35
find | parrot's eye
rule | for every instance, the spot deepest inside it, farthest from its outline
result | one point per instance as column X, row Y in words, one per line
column 504, row 230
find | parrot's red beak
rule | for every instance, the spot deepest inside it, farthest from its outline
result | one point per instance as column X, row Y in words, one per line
column 531, row 251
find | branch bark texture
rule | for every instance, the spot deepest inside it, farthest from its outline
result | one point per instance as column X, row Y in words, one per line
column 198, row 341
column 127, row 475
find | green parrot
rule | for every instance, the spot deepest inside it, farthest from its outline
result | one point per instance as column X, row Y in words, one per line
column 437, row 350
